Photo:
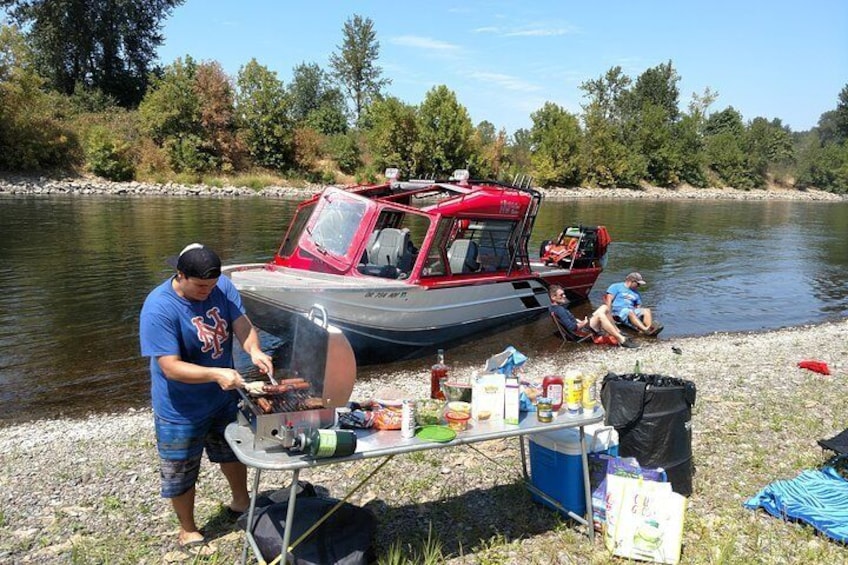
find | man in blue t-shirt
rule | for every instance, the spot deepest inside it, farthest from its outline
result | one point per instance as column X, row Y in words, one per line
column 625, row 303
column 186, row 328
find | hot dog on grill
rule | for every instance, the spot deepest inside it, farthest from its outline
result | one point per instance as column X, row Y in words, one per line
column 264, row 405
column 287, row 387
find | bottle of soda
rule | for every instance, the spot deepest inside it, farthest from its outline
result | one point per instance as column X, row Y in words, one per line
column 320, row 443
column 438, row 374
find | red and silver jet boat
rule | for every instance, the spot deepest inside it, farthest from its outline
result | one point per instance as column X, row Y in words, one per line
column 405, row 267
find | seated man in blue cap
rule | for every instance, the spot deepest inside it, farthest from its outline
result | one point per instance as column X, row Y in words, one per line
column 625, row 303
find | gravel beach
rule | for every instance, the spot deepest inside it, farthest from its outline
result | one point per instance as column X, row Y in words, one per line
column 86, row 491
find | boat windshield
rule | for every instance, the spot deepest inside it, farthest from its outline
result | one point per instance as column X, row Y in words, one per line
column 335, row 224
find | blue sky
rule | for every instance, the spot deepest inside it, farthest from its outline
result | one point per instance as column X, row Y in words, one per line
column 504, row 60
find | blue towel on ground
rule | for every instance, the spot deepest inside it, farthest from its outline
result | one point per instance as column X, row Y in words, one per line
column 818, row 498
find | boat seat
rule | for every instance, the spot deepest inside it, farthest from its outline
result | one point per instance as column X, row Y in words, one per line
column 389, row 247
column 462, row 256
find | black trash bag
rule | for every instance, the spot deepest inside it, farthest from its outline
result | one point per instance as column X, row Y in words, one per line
column 653, row 417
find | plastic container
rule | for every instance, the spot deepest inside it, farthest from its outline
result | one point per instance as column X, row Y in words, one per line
column 459, row 406
column 553, row 388
column 555, row 465
column 429, row 412
column 457, row 421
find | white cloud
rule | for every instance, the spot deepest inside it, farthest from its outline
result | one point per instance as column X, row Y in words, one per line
column 420, row 42
column 505, row 81
column 489, row 29
column 538, row 32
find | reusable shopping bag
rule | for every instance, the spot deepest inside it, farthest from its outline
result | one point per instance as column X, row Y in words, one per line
column 644, row 519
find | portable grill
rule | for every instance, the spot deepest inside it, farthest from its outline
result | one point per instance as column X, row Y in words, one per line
column 319, row 354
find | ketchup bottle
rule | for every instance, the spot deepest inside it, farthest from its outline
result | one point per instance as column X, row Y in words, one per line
column 552, row 388
column 438, row 374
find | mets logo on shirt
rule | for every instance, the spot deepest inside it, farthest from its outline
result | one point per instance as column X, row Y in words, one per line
column 212, row 336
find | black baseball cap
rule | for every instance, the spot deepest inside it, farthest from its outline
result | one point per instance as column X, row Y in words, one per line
column 197, row 261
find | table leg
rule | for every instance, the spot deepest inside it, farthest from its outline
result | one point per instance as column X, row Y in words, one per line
column 523, row 459
column 587, row 487
column 248, row 536
column 290, row 513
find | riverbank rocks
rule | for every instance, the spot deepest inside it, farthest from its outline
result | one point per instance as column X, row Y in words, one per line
column 93, row 186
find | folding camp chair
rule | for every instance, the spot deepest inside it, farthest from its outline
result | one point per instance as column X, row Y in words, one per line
column 569, row 335
column 838, row 443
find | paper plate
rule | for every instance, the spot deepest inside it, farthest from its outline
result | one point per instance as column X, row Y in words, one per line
column 441, row 434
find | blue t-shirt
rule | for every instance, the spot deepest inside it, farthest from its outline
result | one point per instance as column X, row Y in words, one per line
column 623, row 297
column 200, row 333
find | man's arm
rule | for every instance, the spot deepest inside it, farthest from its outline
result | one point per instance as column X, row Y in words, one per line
column 191, row 373
column 249, row 339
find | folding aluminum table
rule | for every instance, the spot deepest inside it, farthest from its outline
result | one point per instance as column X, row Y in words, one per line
column 374, row 443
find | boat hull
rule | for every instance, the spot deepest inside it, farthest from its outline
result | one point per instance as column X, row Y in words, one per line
column 390, row 320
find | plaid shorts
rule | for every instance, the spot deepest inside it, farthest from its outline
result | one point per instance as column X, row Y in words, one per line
column 181, row 449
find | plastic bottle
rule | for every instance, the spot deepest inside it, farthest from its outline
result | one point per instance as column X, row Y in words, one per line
column 552, row 388
column 438, row 374
column 589, row 393
column 320, row 443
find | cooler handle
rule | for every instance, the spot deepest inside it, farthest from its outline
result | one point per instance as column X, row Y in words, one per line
column 608, row 429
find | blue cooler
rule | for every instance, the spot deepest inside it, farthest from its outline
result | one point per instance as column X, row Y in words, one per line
column 555, row 467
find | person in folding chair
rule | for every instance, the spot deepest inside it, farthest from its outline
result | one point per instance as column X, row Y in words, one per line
column 600, row 327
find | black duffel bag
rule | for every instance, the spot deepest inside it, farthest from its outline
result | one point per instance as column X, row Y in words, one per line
column 345, row 538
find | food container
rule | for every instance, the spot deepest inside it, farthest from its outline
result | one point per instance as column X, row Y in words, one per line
column 458, row 406
column 457, row 391
column 428, row 412
column 457, row 421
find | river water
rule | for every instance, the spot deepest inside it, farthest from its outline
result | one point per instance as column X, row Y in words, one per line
column 74, row 272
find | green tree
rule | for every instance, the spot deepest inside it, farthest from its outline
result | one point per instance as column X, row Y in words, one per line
column 517, row 157
column 354, row 65
column 841, row 118
column 655, row 143
column 724, row 146
column 555, row 137
column 768, row 145
column 315, row 102
column 32, row 134
column 652, row 114
column 607, row 95
column 263, row 104
column 216, row 105
column 823, row 166
column 393, row 135
column 188, row 111
column 608, row 154
column 488, row 149
column 688, row 139
column 100, row 44
column 444, row 133
column 657, row 86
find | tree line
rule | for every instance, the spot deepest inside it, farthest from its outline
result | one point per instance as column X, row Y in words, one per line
column 78, row 90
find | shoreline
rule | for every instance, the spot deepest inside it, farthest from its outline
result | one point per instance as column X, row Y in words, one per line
column 89, row 487
column 20, row 185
